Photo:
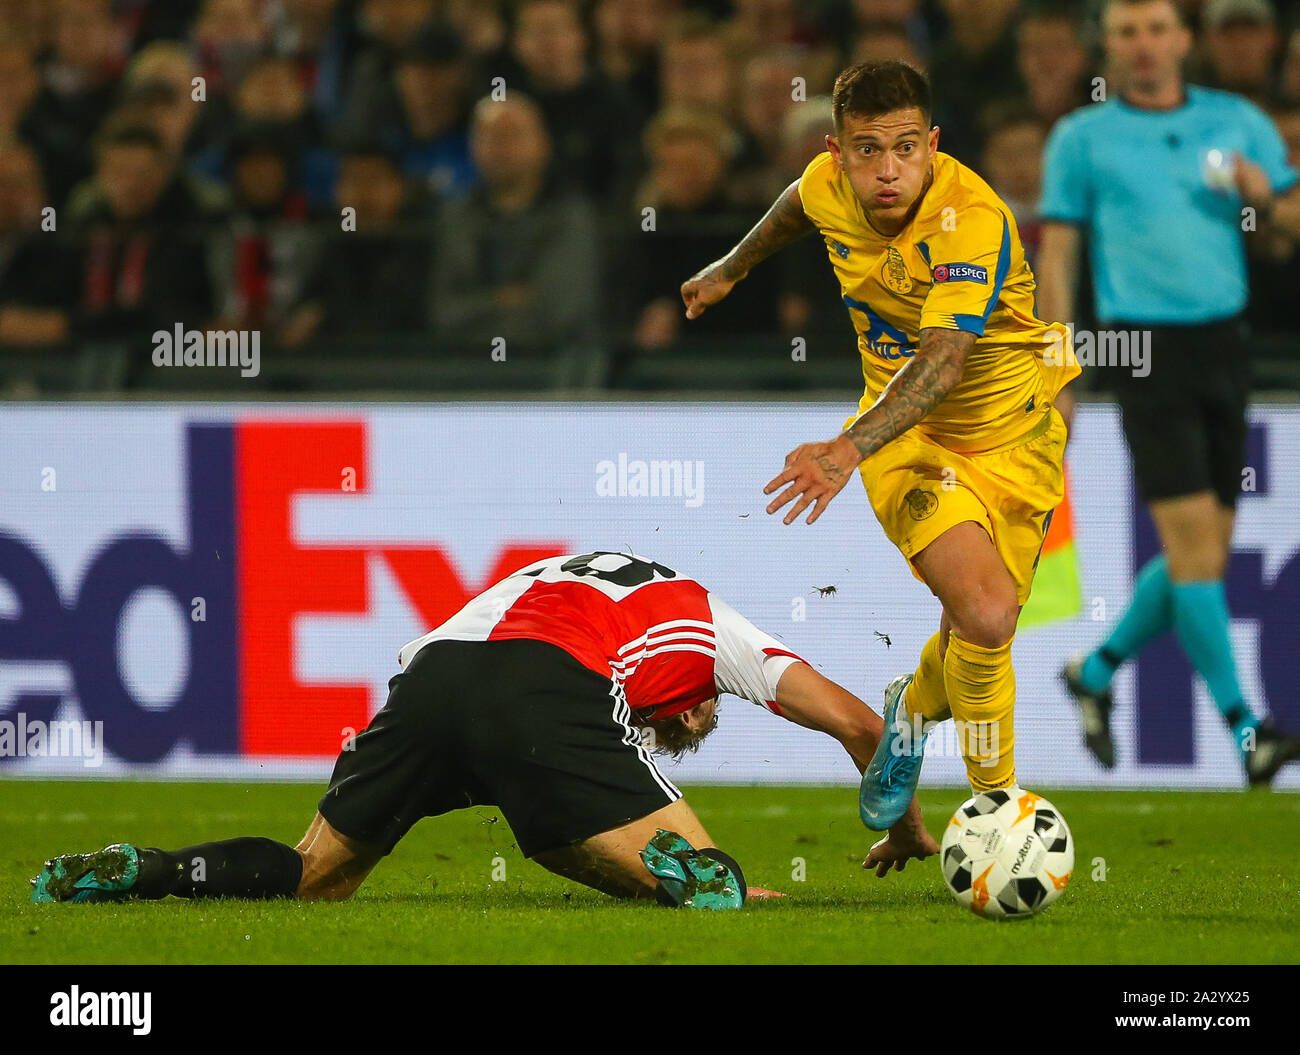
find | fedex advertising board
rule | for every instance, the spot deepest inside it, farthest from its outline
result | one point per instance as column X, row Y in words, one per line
column 219, row 592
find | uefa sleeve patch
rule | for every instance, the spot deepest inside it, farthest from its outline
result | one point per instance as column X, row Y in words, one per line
column 961, row 273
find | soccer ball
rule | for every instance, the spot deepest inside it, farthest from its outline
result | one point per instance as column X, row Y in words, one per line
column 1007, row 853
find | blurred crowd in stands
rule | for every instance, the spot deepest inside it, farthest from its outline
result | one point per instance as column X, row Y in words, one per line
column 419, row 178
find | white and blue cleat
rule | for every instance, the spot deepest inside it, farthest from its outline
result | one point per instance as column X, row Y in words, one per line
column 889, row 781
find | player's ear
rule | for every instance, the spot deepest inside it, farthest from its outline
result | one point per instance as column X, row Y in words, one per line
column 833, row 145
column 934, row 139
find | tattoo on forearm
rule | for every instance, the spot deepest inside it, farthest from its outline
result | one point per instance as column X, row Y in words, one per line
column 783, row 223
column 915, row 390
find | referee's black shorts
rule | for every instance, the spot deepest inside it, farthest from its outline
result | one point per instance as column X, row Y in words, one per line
column 517, row 724
column 1185, row 421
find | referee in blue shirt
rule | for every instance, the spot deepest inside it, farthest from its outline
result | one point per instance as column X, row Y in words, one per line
column 1159, row 177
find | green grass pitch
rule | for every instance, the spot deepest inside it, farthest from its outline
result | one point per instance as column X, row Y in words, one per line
column 1189, row 878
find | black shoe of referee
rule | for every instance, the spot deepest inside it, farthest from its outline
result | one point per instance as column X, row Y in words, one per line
column 1094, row 712
column 1273, row 749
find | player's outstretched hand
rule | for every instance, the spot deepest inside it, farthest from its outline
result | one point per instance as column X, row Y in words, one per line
column 757, row 893
column 815, row 473
column 704, row 288
column 894, row 852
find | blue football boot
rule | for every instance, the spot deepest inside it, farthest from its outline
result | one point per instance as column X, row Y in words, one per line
column 889, row 781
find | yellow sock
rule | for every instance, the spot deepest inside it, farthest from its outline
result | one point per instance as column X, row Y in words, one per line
column 927, row 695
column 982, row 693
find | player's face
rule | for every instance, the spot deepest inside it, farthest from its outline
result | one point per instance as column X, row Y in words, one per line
column 887, row 159
column 700, row 719
column 1146, row 43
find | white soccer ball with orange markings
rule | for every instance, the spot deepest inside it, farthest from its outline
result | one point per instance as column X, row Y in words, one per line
column 1007, row 854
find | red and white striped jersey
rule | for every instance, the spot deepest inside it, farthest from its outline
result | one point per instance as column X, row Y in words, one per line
column 663, row 639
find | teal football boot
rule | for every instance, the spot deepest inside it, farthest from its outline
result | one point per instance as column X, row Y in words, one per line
column 889, row 781
column 691, row 879
column 105, row 875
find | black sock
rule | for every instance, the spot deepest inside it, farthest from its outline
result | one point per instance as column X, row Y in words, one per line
column 249, row 868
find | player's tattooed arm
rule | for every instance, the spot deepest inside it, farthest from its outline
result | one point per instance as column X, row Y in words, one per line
column 783, row 223
column 816, row 472
column 915, row 390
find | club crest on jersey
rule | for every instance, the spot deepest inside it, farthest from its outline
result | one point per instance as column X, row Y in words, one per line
column 896, row 276
column 961, row 273
column 920, row 504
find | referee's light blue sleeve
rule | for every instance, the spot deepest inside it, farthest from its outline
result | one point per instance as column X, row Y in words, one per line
column 1268, row 149
column 1065, row 176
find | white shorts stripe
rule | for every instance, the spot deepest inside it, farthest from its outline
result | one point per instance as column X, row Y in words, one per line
column 622, row 715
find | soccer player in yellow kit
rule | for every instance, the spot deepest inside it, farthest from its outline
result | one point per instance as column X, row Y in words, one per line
column 956, row 439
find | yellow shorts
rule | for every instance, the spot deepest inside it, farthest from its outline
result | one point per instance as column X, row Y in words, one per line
column 919, row 490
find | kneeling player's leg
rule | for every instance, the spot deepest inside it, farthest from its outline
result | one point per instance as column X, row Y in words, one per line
column 964, row 570
column 333, row 865
column 611, row 863
column 325, row 865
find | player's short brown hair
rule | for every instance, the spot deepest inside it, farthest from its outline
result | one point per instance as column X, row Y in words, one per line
column 870, row 89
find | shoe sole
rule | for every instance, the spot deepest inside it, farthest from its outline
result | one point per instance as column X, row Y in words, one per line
column 104, row 875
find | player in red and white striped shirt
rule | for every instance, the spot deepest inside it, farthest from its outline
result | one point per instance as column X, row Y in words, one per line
column 547, row 695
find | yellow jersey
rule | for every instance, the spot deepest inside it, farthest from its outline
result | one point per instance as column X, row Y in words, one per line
column 958, row 265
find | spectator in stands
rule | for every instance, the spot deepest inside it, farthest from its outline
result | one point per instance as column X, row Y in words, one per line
column 228, row 36
column 373, row 275
column 387, row 27
column 481, row 25
column 160, row 77
column 1274, row 255
column 19, row 83
column 696, row 66
column 312, row 33
column 885, row 41
column 592, row 125
column 690, row 154
column 264, row 255
column 517, row 254
column 1052, row 61
column 1289, row 81
column 271, row 96
column 627, row 34
column 810, row 300
column 34, row 276
column 1241, row 42
column 767, row 96
column 900, row 15
column 973, row 66
column 80, row 82
column 1012, row 163
column 143, row 265
column 431, row 133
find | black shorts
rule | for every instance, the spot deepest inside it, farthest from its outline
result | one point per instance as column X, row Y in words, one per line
column 521, row 725
column 1185, row 421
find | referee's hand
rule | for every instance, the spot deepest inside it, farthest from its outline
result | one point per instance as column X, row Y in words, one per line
column 1252, row 182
